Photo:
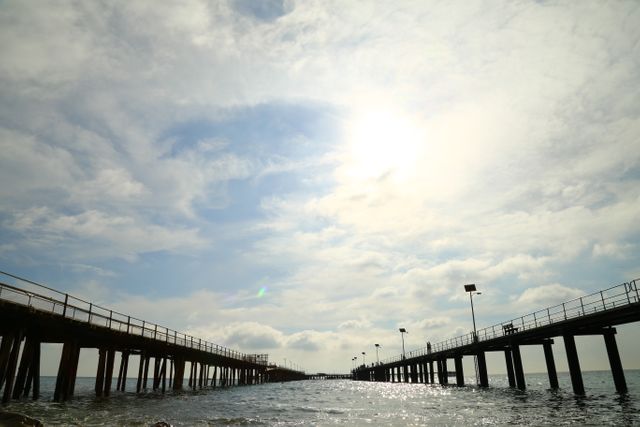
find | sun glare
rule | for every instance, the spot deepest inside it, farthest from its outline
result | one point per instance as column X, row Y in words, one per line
column 382, row 143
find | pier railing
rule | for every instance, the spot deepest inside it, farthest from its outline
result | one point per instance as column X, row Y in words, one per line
column 607, row 299
column 45, row 299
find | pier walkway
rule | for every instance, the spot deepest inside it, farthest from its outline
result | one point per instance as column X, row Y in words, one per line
column 32, row 314
column 594, row 314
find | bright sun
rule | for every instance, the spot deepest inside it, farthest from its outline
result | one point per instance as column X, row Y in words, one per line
column 382, row 143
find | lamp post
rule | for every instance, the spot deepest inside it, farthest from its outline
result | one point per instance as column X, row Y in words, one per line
column 377, row 356
column 471, row 288
column 363, row 360
column 356, row 359
column 402, row 332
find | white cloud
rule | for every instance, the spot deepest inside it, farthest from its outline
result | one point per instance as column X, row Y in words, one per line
column 354, row 324
column 547, row 295
column 612, row 250
column 86, row 234
column 248, row 336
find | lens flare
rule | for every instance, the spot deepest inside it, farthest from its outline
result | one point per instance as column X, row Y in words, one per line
column 262, row 291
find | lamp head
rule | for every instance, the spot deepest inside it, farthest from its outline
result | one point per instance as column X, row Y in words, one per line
column 403, row 330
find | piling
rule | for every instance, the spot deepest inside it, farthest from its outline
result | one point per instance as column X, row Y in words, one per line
column 482, row 369
column 102, row 358
column 12, row 361
column 614, row 361
column 517, row 367
column 459, row 371
column 511, row 376
column 67, row 370
column 574, row 364
column 551, row 365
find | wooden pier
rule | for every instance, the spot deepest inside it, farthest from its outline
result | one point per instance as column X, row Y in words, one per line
column 594, row 314
column 32, row 314
column 276, row 374
column 323, row 376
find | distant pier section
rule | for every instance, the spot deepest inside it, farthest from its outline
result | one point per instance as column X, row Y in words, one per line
column 32, row 314
column 594, row 314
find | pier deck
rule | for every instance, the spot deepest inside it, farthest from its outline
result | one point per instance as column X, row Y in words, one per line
column 594, row 314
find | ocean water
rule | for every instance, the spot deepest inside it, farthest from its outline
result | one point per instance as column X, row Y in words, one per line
column 344, row 402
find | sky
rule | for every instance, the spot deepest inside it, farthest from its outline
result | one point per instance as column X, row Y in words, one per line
column 302, row 178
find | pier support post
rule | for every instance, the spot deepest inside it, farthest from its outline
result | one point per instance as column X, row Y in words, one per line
column 102, row 357
column 509, row 363
column 67, row 370
column 459, row 371
column 5, row 352
column 431, row 373
column 125, row 359
column 482, row 369
column 201, row 376
column 145, row 372
column 551, row 365
column 614, row 361
column 33, row 372
column 171, row 374
column 119, row 381
column 156, row 373
column 179, row 373
column 517, row 367
column 445, row 372
column 193, row 376
column 164, row 374
column 15, row 342
column 108, row 375
column 24, row 368
column 140, row 373
column 574, row 364
column 405, row 373
column 414, row 373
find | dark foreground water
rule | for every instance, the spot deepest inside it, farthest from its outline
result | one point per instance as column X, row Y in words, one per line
column 350, row 403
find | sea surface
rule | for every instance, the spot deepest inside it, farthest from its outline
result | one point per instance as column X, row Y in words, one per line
column 344, row 402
